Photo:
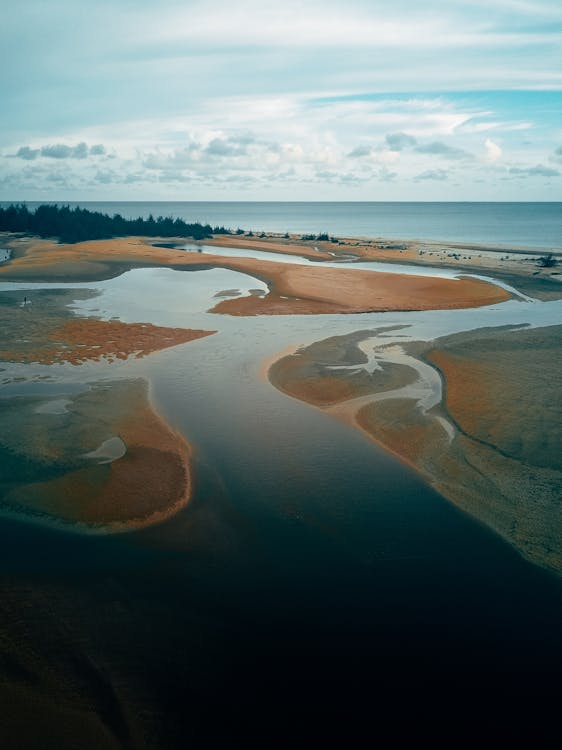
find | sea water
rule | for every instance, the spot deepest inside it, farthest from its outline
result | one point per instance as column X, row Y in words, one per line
column 505, row 224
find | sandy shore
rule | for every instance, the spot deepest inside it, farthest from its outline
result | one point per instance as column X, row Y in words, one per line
column 516, row 266
column 294, row 289
column 77, row 480
column 499, row 457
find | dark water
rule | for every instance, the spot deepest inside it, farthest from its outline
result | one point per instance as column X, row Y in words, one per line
column 510, row 224
column 313, row 577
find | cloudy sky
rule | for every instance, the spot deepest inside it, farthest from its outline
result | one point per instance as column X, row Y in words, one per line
column 260, row 100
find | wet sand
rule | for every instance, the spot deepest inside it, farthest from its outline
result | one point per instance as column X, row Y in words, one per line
column 47, row 331
column 502, row 401
column 61, row 444
column 313, row 373
column 76, row 481
column 79, row 341
column 294, row 289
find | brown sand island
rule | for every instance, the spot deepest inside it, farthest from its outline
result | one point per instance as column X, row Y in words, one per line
column 101, row 461
column 294, row 289
column 492, row 446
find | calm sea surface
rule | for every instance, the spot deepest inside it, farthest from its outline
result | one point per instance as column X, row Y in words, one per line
column 526, row 224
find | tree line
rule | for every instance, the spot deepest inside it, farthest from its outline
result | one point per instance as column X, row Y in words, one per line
column 77, row 224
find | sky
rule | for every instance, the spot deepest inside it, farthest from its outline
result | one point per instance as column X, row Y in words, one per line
column 259, row 100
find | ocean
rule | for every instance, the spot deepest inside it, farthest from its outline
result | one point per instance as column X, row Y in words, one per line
column 536, row 225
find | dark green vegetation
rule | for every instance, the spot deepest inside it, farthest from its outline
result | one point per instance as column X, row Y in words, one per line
column 547, row 261
column 78, row 224
column 320, row 237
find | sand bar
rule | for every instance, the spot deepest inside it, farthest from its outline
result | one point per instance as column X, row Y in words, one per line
column 149, row 483
column 294, row 289
column 491, row 446
column 78, row 341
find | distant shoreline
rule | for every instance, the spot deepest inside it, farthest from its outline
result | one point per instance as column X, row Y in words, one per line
column 495, row 223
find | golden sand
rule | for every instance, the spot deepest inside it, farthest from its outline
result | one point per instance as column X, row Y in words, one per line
column 308, row 289
column 79, row 340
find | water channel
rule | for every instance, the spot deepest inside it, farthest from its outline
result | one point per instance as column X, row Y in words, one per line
column 302, row 538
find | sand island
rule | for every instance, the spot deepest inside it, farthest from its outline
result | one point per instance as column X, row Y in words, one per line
column 294, row 289
column 99, row 461
column 491, row 441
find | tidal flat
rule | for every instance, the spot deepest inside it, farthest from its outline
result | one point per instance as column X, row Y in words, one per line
column 372, row 531
column 490, row 441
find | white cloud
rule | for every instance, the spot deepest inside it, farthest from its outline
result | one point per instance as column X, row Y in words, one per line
column 493, row 151
column 266, row 93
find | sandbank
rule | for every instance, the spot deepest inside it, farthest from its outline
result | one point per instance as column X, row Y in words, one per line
column 516, row 266
column 313, row 373
column 77, row 487
column 312, row 251
column 81, row 340
column 499, row 458
column 294, row 289
column 47, row 331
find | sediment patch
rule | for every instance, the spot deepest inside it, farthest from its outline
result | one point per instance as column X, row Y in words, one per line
column 501, row 402
column 52, row 473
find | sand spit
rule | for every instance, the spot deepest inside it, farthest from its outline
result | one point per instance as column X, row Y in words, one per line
column 75, row 486
column 492, row 444
column 294, row 289
column 516, row 266
column 306, row 290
